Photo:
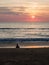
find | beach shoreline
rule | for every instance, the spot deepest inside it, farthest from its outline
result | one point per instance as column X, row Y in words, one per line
column 38, row 44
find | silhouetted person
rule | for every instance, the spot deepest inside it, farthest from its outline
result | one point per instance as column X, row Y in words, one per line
column 17, row 46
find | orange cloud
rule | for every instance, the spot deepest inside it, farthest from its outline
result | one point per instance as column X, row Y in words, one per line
column 7, row 15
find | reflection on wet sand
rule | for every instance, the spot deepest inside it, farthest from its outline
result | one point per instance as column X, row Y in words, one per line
column 35, row 47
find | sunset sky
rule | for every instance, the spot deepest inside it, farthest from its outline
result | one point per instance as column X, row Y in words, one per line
column 24, row 10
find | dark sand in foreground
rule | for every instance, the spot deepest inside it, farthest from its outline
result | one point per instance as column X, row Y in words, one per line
column 39, row 56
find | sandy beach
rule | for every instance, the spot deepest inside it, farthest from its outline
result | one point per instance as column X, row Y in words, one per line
column 38, row 44
column 20, row 56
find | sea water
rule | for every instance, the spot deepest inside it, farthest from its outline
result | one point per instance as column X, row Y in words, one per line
column 23, row 31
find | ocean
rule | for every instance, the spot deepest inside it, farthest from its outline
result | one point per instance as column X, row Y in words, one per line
column 12, row 33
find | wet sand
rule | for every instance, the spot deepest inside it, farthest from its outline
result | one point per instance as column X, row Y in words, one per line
column 38, row 44
column 20, row 56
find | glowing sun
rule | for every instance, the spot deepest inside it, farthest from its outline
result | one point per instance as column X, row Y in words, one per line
column 33, row 17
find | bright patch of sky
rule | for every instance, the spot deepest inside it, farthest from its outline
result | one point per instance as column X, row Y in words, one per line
column 26, row 3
